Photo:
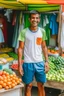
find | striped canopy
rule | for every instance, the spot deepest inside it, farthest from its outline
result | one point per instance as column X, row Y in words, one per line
column 12, row 4
column 40, row 5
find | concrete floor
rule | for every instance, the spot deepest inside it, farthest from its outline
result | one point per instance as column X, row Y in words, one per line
column 49, row 92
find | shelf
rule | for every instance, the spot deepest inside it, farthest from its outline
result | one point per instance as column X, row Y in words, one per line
column 52, row 84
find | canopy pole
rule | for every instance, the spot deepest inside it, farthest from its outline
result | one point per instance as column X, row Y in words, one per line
column 59, row 31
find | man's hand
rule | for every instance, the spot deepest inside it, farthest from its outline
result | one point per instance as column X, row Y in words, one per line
column 46, row 67
column 21, row 70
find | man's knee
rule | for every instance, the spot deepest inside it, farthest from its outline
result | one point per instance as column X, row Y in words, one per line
column 29, row 86
column 40, row 85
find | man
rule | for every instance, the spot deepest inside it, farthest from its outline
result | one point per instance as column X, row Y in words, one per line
column 32, row 44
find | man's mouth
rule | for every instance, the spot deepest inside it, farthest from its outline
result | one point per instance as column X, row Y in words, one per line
column 34, row 22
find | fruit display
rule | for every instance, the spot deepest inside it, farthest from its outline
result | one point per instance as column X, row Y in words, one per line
column 9, row 59
column 4, row 55
column 5, row 58
column 3, row 61
column 8, row 81
column 53, row 52
column 3, row 50
column 62, row 54
column 14, row 66
column 56, row 71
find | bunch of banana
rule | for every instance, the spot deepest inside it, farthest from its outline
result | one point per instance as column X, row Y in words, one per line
column 4, row 55
column 9, row 59
column 5, row 50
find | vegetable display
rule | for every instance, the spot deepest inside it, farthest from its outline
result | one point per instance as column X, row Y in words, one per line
column 56, row 71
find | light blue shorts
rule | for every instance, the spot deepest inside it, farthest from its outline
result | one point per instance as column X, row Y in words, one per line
column 34, row 69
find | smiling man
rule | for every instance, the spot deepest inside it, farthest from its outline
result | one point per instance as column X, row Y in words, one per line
column 32, row 44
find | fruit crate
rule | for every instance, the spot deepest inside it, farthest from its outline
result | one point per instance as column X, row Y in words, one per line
column 17, row 91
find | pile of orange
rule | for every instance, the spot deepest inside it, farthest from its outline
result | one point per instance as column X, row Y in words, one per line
column 8, row 81
column 53, row 51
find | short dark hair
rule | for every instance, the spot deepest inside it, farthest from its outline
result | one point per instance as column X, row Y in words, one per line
column 33, row 12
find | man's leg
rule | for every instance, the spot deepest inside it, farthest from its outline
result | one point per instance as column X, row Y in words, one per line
column 41, row 91
column 28, row 88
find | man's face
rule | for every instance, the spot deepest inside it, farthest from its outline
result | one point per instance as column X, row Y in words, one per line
column 34, row 20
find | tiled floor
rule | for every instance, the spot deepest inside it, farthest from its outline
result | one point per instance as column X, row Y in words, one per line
column 49, row 92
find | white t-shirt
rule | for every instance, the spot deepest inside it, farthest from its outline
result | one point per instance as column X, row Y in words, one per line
column 32, row 47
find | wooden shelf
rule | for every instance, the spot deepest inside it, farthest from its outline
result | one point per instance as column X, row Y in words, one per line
column 52, row 84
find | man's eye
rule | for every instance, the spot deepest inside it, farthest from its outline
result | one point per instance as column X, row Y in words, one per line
column 37, row 18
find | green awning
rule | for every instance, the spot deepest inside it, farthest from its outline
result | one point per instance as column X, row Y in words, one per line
column 43, row 7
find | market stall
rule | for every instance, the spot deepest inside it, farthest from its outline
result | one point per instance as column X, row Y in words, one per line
column 31, row 6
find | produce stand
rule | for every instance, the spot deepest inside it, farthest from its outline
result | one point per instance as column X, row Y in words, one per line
column 52, row 84
column 16, row 91
column 55, row 76
column 56, row 85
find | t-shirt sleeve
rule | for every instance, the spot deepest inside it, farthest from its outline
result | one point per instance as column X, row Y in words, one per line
column 44, row 37
column 21, row 36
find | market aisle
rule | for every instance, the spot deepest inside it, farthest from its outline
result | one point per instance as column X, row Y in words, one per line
column 49, row 92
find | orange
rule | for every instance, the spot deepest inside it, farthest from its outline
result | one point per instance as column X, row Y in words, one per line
column 6, row 87
column 0, row 86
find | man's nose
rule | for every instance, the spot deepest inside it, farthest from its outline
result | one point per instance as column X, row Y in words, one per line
column 35, row 19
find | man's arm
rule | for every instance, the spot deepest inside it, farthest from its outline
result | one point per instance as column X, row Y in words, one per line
column 44, row 49
column 20, row 51
column 45, row 52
